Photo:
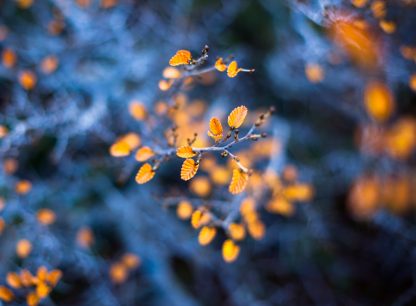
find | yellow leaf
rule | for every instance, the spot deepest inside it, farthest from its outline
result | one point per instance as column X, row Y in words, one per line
column 145, row 174
column 238, row 181
column 233, row 69
column 299, row 192
column 215, row 129
column 256, row 229
column 237, row 117
column 230, row 250
column 171, row 73
column 185, row 152
column 184, row 210
column 144, row 153
column 189, row 169
column 137, row 110
column 237, row 231
column 206, row 235
column 220, row 65
column 199, row 218
column 201, row 186
column 120, row 149
column 182, row 57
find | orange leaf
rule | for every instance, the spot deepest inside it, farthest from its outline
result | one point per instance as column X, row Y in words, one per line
column 189, row 169
column 237, row 116
column 144, row 153
column 238, row 181
column 206, row 235
column 6, row 294
column 215, row 129
column 230, row 250
column 145, row 174
column 182, row 57
column 233, row 69
column 185, row 152
column 237, row 231
column 220, row 65
column 13, row 279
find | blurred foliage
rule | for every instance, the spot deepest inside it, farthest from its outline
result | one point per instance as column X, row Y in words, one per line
column 342, row 77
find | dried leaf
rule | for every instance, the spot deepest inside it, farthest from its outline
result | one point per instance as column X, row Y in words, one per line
column 185, row 152
column 145, row 174
column 144, row 153
column 230, row 250
column 237, row 116
column 189, row 169
column 238, row 181
column 182, row 57
column 233, row 69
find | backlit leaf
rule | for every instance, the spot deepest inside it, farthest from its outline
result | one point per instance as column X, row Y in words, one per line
column 220, row 65
column 230, row 250
column 185, row 152
column 189, row 169
column 206, row 235
column 215, row 129
column 238, row 181
column 145, row 174
column 237, row 116
column 144, row 153
column 182, row 57
column 233, row 69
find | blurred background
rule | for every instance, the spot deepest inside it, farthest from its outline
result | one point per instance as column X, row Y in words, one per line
column 341, row 75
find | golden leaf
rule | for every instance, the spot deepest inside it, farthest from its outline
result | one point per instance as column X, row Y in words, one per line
column 237, row 116
column 119, row 149
column 182, row 57
column 184, row 210
column 189, row 169
column 230, row 250
column 130, row 261
column 199, row 218
column 237, row 231
column 185, row 152
column 215, row 129
column 256, row 229
column 145, row 174
column 206, row 235
column 144, row 153
column 238, row 181
column 220, row 65
column 233, row 69
column 137, row 110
